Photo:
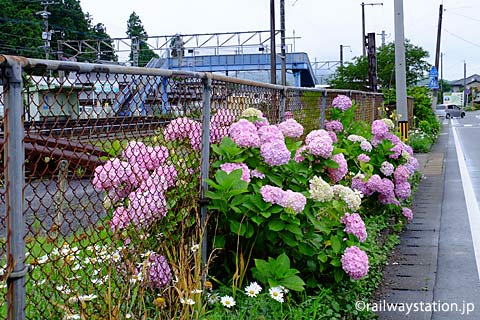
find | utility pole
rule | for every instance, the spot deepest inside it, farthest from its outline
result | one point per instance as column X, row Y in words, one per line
column 465, row 96
column 372, row 62
column 363, row 23
column 437, row 53
column 282, row 42
column 400, row 70
column 384, row 36
column 273, row 54
column 341, row 53
column 46, row 34
column 441, row 77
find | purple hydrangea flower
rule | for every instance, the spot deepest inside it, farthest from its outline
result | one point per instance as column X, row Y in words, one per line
column 180, row 129
column 407, row 213
column 334, row 125
column 365, row 146
column 354, row 225
column 230, row 166
column 291, row 128
column 403, row 190
column 355, row 262
column 358, row 184
column 363, row 157
column 275, row 153
column 387, row 168
column 340, row 172
column 298, row 154
column 257, row 174
column 342, row 102
column 288, row 115
column 158, row 272
column 379, row 129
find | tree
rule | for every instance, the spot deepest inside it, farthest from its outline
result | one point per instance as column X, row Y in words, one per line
column 21, row 28
column 136, row 32
column 354, row 75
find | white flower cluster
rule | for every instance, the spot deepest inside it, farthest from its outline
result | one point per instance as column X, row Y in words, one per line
column 252, row 113
column 356, row 138
column 352, row 198
column 389, row 123
column 320, row 190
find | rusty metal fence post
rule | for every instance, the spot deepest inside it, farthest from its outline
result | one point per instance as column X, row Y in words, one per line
column 283, row 101
column 323, row 105
column 205, row 163
column 14, row 181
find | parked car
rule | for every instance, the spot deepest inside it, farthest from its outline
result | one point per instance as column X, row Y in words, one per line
column 449, row 111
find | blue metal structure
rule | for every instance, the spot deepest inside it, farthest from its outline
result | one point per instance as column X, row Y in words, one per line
column 297, row 62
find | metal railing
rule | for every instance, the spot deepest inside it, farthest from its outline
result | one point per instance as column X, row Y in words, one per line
column 64, row 246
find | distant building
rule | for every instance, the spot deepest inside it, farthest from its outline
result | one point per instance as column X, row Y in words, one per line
column 472, row 81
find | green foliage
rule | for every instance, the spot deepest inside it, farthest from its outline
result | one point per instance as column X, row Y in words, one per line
column 354, row 75
column 277, row 272
column 22, row 28
column 136, row 30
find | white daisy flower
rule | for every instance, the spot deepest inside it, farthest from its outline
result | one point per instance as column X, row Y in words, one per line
column 42, row 259
column 71, row 317
column 253, row 289
column 116, row 256
column 196, row 291
column 227, row 301
column 213, row 298
column 195, row 248
column 276, row 293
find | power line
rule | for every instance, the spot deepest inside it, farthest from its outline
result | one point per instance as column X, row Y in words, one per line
column 463, row 39
column 464, row 16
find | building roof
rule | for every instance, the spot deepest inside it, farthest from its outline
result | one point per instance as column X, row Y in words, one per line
column 469, row 80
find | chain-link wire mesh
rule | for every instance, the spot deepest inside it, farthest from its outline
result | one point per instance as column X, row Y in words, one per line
column 3, row 218
column 112, row 182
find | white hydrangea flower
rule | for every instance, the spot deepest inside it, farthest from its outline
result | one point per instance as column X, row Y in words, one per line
column 320, row 190
column 252, row 113
column 356, row 138
column 389, row 123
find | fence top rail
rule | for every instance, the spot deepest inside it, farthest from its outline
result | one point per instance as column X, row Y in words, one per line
column 82, row 67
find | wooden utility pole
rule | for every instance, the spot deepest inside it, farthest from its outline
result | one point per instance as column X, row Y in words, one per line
column 372, row 62
column 437, row 53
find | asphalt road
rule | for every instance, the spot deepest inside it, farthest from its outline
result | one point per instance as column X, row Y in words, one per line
column 458, row 265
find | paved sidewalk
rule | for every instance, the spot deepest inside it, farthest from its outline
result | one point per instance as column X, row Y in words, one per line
column 432, row 264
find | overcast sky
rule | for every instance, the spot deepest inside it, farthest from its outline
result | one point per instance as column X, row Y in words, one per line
column 322, row 25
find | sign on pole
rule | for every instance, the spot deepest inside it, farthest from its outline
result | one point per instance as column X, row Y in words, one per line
column 433, row 84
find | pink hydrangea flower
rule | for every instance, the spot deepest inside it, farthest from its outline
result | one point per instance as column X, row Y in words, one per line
column 160, row 180
column 333, row 136
column 270, row 133
column 275, row 153
column 244, row 133
column 293, row 200
column 223, row 117
column 291, row 128
column 217, row 133
column 319, row 143
column 342, row 102
column 298, row 154
column 407, row 213
column 288, row 115
column 355, row 262
column 401, row 174
column 340, row 172
column 257, row 174
column 271, row 194
column 354, row 225
column 180, row 129
column 229, row 167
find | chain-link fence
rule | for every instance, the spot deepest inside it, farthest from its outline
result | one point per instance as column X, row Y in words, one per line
column 102, row 181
